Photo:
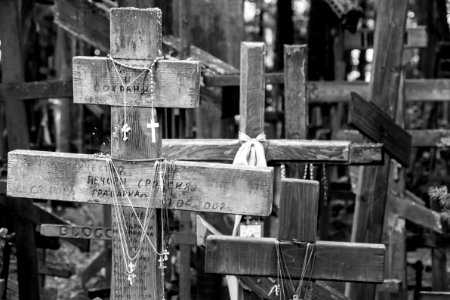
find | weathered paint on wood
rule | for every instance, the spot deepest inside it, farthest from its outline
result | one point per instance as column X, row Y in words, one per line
column 195, row 186
column 298, row 210
column 379, row 127
column 77, row 232
column 295, row 104
column 333, row 152
column 333, row 260
column 252, row 89
column 95, row 81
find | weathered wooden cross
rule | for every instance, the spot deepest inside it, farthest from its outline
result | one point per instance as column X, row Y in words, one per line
column 135, row 43
column 298, row 217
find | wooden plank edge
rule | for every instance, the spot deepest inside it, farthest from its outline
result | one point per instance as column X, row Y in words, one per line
column 219, row 249
column 420, row 137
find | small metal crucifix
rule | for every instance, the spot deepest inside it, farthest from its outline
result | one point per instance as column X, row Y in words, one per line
column 125, row 129
column 153, row 125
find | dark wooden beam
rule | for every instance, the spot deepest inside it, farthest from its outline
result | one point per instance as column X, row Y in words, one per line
column 378, row 126
column 358, row 262
column 37, row 90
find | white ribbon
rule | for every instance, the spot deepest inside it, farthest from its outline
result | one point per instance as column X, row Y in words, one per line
column 251, row 153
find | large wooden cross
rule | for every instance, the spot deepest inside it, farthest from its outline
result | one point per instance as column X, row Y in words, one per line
column 298, row 214
column 136, row 41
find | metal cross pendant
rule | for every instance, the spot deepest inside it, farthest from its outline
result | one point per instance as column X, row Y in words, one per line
column 153, row 125
column 125, row 129
column 162, row 266
column 131, row 278
column 166, row 254
column 132, row 267
column 295, row 297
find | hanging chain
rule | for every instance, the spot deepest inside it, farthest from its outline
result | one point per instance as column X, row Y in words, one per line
column 325, row 184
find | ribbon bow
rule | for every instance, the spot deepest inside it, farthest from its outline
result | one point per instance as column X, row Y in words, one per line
column 251, row 152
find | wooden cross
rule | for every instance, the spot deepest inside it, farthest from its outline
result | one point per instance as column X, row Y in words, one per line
column 298, row 220
column 136, row 42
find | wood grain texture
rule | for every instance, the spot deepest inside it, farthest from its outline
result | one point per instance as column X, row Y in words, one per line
column 434, row 295
column 298, row 209
column 207, row 187
column 295, row 104
column 379, row 127
column 333, row 260
column 252, row 91
column 420, row 137
column 95, row 81
column 415, row 37
column 139, row 144
column 135, row 33
column 333, row 152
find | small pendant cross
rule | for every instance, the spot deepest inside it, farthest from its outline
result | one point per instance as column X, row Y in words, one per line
column 295, row 297
column 132, row 267
column 166, row 254
column 153, row 125
column 131, row 278
column 162, row 266
column 125, row 129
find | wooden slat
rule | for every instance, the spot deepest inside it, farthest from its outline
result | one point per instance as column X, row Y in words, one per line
column 77, row 232
column 420, row 137
column 333, row 260
column 416, row 213
column 37, row 89
column 196, row 187
column 339, row 91
column 252, row 89
column 335, row 152
column 295, row 103
column 299, row 209
column 95, row 81
column 415, row 37
column 101, row 233
column 378, row 126
column 434, row 295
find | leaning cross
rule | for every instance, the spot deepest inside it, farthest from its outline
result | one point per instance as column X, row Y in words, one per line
column 136, row 42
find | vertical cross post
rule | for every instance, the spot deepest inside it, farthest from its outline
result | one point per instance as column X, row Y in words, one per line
column 136, row 35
